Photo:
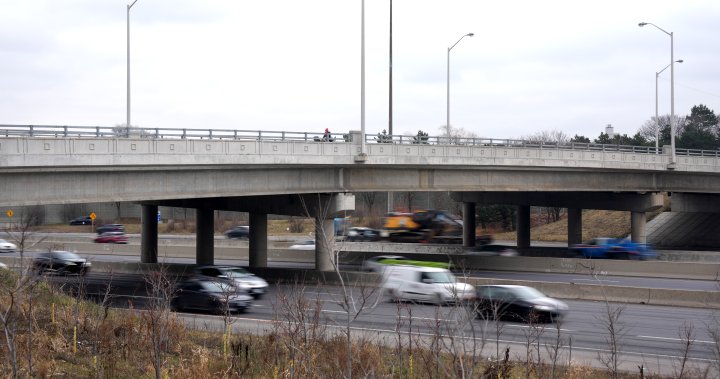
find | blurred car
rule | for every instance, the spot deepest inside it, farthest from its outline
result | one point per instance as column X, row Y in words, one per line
column 61, row 262
column 242, row 232
column 111, row 237
column 304, row 245
column 361, row 233
column 238, row 276
column 7, row 247
column 3, row 266
column 494, row 250
column 375, row 264
column 425, row 284
column 83, row 220
column 519, row 303
column 110, row 228
column 210, row 295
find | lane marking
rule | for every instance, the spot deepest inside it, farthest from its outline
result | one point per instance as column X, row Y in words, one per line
column 677, row 339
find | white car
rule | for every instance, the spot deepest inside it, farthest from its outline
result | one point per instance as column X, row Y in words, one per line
column 238, row 276
column 304, row 245
column 7, row 247
column 425, row 284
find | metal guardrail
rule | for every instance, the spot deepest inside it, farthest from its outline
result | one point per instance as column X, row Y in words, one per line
column 260, row 135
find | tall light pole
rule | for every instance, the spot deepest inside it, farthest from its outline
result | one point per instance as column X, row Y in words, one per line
column 657, row 117
column 672, row 90
column 390, row 205
column 127, row 122
column 447, row 125
column 362, row 78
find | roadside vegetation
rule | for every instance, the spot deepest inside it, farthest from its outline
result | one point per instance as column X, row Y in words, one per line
column 48, row 333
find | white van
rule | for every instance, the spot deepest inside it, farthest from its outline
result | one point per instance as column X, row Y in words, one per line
column 426, row 284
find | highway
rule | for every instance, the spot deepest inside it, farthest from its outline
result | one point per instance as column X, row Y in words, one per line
column 649, row 335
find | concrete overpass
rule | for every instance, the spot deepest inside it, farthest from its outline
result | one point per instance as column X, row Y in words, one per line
column 292, row 173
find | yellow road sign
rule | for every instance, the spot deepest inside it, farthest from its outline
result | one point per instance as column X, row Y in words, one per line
column 10, row 213
column 93, row 216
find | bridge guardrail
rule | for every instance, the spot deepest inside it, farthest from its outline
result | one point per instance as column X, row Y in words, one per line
column 260, row 135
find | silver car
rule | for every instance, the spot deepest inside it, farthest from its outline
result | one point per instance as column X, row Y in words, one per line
column 7, row 247
column 238, row 276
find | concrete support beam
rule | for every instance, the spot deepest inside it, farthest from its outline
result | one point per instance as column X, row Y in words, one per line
column 523, row 226
column 324, row 245
column 638, row 232
column 205, row 236
column 695, row 202
column 574, row 226
column 257, row 252
column 613, row 201
column 148, row 234
column 469, row 224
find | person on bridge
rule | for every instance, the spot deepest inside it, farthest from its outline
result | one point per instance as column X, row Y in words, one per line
column 326, row 136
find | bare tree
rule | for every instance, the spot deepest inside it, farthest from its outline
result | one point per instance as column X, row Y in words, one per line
column 555, row 347
column 160, row 287
column 356, row 297
column 611, row 321
column 687, row 338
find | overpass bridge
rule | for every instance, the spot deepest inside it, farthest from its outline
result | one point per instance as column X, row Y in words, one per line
column 295, row 173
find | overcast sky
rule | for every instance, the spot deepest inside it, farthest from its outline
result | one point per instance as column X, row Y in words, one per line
column 290, row 65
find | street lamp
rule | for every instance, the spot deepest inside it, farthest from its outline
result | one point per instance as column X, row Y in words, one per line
column 672, row 90
column 448, row 78
column 657, row 119
column 127, row 122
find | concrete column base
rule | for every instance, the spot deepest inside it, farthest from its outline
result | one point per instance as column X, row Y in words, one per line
column 523, row 226
column 324, row 245
column 148, row 234
column 205, row 237
column 257, row 252
column 574, row 226
column 638, row 232
column 469, row 224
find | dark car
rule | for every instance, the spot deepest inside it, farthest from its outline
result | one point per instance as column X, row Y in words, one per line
column 211, row 296
column 237, row 276
column 110, row 228
column 518, row 303
column 83, row 220
column 238, row 232
column 361, row 233
column 111, row 237
column 61, row 262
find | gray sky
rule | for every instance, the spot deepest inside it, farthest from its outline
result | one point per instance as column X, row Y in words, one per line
column 574, row 66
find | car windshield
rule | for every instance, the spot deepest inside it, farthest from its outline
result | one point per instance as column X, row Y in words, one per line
column 3, row 241
column 65, row 255
column 217, row 287
column 237, row 273
column 528, row 293
column 440, row 277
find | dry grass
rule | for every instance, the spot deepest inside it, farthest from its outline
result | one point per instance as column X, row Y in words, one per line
column 596, row 223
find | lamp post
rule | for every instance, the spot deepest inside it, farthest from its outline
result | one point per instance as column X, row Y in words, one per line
column 447, row 125
column 672, row 91
column 127, row 122
column 657, row 117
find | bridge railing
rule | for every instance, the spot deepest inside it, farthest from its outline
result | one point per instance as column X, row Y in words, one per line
column 261, row 135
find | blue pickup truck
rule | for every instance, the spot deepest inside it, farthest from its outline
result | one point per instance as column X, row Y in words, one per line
column 613, row 248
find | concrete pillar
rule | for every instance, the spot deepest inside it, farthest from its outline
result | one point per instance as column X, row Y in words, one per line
column 638, row 232
column 523, row 226
column 204, row 236
column 258, row 240
column 574, row 226
column 324, row 244
column 148, row 234
column 468, row 224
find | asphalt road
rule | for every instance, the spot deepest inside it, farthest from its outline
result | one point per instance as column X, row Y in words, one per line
column 648, row 335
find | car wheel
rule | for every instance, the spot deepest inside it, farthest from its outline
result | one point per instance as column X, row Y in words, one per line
column 178, row 305
column 394, row 295
column 439, row 301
